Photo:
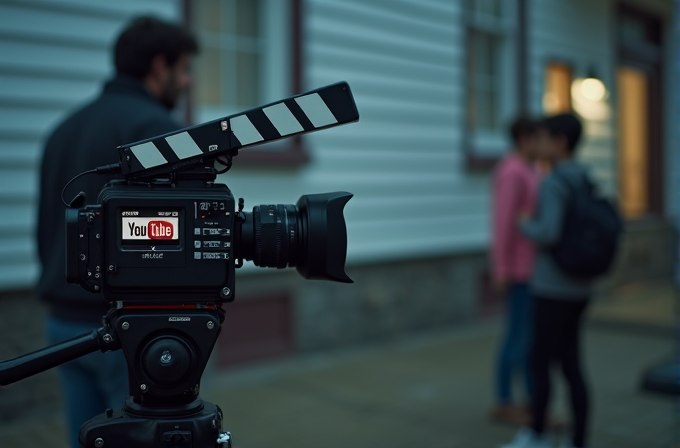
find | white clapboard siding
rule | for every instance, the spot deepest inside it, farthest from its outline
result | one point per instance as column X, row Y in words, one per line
column 404, row 160
column 404, row 61
column 54, row 54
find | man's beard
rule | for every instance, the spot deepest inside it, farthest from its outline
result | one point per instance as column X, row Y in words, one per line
column 169, row 93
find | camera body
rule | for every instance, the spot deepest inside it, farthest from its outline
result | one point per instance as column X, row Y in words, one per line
column 168, row 234
column 158, row 241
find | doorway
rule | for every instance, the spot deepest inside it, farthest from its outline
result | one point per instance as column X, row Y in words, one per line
column 639, row 110
column 633, row 87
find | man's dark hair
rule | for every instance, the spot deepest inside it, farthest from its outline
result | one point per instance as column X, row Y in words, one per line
column 564, row 124
column 146, row 37
column 522, row 126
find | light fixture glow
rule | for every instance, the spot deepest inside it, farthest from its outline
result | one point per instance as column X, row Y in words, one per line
column 593, row 89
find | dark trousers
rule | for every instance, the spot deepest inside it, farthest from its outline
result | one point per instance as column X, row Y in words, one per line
column 557, row 328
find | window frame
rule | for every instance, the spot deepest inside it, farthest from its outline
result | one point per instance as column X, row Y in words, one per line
column 291, row 152
column 478, row 158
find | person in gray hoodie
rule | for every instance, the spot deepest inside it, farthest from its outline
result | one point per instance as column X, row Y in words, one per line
column 560, row 300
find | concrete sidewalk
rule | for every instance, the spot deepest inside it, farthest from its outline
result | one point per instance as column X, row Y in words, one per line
column 432, row 391
column 424, row 391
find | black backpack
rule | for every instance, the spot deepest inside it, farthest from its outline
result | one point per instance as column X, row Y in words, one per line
column 591, row 231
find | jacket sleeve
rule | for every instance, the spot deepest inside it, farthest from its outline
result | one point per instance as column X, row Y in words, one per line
column 507, row 192
column 545, row 228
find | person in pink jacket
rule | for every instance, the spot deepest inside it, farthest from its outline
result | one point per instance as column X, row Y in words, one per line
column 515, row 186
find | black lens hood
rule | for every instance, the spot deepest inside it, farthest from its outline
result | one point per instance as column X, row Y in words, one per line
column 323, row 248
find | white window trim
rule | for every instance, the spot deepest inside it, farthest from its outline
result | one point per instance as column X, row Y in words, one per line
column 484, row 143
column 276, row 62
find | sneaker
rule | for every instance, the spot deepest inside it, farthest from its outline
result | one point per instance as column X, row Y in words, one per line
column 526, row 438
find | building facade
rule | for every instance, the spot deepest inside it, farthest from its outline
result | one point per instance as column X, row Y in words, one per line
column 436, row 83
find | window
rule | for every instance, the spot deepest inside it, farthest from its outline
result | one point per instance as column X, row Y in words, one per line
column 229, row 70
column 250, row 56
column 557, row 93
column 491, row 100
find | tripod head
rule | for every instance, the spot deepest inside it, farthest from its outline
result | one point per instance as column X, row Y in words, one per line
column 167, row 349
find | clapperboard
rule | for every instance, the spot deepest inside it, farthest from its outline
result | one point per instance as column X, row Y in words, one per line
column 318, row 109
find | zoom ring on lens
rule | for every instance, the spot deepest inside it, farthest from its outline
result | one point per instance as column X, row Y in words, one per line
column 257, row 231
column 280, row 261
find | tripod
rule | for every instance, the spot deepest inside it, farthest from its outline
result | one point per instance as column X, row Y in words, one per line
column 166, row 349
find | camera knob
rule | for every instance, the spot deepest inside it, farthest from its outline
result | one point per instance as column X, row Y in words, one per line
column 167, row 361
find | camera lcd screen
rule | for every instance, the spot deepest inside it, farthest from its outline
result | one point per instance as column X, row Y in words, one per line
column 150, row 227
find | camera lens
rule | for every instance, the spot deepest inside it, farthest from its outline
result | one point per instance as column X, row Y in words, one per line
column 276, row 232
column 310, row 236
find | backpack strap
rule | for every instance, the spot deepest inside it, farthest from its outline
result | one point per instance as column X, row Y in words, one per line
column 571, row 187
column 562, row 179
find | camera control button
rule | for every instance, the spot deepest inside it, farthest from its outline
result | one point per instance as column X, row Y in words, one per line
column 197, row 255
column 197, row 244
column 215, row 255
column 217, row 231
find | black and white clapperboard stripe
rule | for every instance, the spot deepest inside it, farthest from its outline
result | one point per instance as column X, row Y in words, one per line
column 322, row 108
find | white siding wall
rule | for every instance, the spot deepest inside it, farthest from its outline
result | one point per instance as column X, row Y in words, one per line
column 53, row 56
column 404, row 160
column 404, row 61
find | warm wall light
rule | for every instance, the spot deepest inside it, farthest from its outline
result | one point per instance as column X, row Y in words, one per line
column 589, row 98
column 592, row 89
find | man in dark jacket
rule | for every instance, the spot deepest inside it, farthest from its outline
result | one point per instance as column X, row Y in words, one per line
column 152, row 70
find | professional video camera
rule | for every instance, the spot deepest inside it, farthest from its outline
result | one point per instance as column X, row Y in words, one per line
column 162, row 245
